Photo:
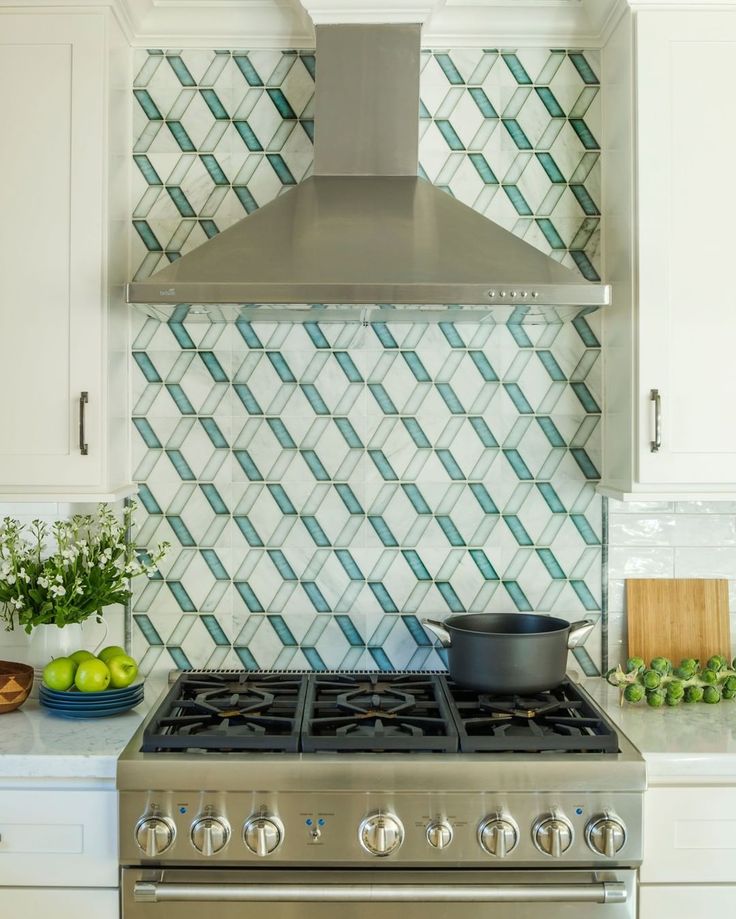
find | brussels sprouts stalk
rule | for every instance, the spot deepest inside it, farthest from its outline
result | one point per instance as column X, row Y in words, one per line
column 662, row 683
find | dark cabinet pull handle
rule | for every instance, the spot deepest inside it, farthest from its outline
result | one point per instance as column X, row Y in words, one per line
column 656, row 398
column 83, row 446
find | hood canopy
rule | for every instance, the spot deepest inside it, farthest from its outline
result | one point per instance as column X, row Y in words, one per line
column 365, row 229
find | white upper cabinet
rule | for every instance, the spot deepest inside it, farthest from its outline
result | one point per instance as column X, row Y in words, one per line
column 669, row 199
column 63, row 202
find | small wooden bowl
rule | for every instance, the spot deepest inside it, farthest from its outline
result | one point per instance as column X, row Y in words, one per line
column 16, row 681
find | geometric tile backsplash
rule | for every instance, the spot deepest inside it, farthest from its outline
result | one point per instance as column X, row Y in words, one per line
column 324, row 485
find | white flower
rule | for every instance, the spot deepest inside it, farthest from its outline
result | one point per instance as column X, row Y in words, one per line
column 17, row 603
column 43, row 582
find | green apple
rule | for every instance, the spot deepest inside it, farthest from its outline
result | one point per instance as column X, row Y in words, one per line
column 92, row 676
column 111, row 651
column 123, row 670
column 80, row 656
column 59, row 674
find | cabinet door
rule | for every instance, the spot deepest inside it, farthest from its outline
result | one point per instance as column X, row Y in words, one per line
column 677, row 901
column 686, row 65
column 51, row 239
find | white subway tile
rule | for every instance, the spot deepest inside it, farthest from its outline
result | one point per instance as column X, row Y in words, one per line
column 705, row 562
column 706, row 507
column 640, row 507
column 633, row 530
column 704, row 530
column 644, row 562
column 616, row 595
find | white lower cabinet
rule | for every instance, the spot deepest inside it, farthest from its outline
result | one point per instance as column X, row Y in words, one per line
column 58, row 852
column 68, row 903
column 689, row 865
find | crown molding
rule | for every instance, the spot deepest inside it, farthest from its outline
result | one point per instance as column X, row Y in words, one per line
column 290, row 23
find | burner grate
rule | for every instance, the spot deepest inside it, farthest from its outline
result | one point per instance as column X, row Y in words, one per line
column 377, row 712
column 229, row 712
column 560, row 720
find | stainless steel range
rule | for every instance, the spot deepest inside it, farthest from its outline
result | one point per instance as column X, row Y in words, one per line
column 390, row 795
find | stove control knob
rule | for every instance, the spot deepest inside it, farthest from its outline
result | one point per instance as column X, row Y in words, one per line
column 498, row 835
column 154, row 835
column 552, row 834
column 210, row 834
column 606, row 835
column 381, row 834
column 262, row 835
column 439, row 834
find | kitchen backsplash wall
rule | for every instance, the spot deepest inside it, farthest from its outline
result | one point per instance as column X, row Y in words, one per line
column 324, row 485
column 682, row 539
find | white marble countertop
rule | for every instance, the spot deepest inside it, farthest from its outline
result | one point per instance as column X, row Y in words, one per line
column 35, row 744
column 689, row 743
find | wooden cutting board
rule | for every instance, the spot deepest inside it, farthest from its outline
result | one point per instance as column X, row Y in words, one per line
column 678, row 617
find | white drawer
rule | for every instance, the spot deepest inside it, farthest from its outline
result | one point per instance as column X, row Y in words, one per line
column 689, row 835
column 61, row 903
column 677, row 901
column 58, row 838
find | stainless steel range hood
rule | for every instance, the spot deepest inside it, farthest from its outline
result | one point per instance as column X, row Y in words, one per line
column 365, row 229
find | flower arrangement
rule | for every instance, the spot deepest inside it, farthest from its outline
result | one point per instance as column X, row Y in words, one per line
column 87, row 569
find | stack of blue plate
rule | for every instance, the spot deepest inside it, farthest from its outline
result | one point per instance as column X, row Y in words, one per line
column 75, row 704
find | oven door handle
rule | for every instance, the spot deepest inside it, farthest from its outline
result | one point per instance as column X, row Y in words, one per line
column 601, row 892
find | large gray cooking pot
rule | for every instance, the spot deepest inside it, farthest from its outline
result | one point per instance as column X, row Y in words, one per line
column 508, row 652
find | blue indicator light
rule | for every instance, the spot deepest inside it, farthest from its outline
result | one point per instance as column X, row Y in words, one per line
column 321, row 821
column 182, row 810
column 578, row 811
column 309, row 822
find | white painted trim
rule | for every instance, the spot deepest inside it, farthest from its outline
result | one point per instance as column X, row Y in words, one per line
column 69, row 497
column 287, row 23
column 682, row 493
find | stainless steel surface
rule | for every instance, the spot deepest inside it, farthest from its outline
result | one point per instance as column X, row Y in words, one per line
column 612, row 892
column 262, row 834
column 606, row 835
column 498, row 835
column 367, row 100
column 154, row 835
column 315, row 894
column 83, row 445
column 656, row 397
column 553, row 834
column 579, row 632
column 439, row 834
column 381, row 834
column 364, row 229
column 210, row 834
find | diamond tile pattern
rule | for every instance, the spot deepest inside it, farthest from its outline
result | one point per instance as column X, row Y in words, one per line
column 325, row 485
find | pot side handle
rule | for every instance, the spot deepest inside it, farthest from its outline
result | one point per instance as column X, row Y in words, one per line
column 440, row 631
column 579, row 632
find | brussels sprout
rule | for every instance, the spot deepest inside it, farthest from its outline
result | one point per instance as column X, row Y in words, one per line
column 693, row 693
column 711, row 695
column 684, row 673
column 730, row 683
column 717, row 662
column 709, row 676
column 675, row 689
column 662, row 665
column 651, row 679
column 655, row 698
column 672, row 700
column 635, row 663
column 634, row 692
column 733, row 664
column 690, row 662
column 728, row 693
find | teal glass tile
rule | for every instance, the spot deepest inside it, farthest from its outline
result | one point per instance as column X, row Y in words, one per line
column 278, row 493
column 245, row 197
column 416, row 630
column 384, row 598
column 314, row 398
column 447, row 591
column 517, row 528
column 584, row 133
column 583, row 67
column 145, row 496
column 248, row 530
column 550, row 102
column 147, row 170
column 348, row 629
column 180, row 135
column 280, row 432
column 282, row 565
column 450, row 530
column 314, row 658
column 147, row 104
column 180, row 69
column 281, row 367
column 246, row 463
column 517, row 134
column 180, row 659
column 549, row 165
column 316, row 335
column 518, row 596
column 282, row 103
column 449, row 398
column 214, row 104
column 282, row 630
column 316, row 597
column 382, row 398
column 481, row 495
column 417, row 499
column 214, row 169
column 349, row 433
column 484, row 565
column 214, row 433
column 551, row 497
column 149, row 630
column 483, row 169
column 382, row 333
column 247, row 69
column 382, row 660
column 280, row 168
column 484, row 366
column 482, row 101
column 247, row 398
column 315, row 465
column 518, row 464
column 517, row 69
column 452, row 335
column 181, row 596
column 450, row 463
column 348, row 366
column 248, row 596
column 215, row 630
column 484, row 433
column 416, row 366
column 143, row 426
column 181, row 530
column 383, row 465
column 147, row 235
column 349, row 564
column 315, row 531
column 214, row 498
column 416, row 433
column 449, row 69
column 248, row 333
column 550, row 563
column 146, row 366
column 348, row 498
column 449, row 133
column 417, row 566
column 382, row 530
column 180, row 398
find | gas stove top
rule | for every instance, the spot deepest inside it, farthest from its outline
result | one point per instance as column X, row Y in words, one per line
column 339, row 768
column 369, row 713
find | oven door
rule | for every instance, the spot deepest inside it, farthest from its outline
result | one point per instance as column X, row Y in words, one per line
column 376, row 894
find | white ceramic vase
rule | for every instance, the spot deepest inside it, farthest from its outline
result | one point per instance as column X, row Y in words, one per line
column 49, row 641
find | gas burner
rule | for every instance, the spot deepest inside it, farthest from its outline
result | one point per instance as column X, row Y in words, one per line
column 375, row 712
column 224, row 712
column 559, row 720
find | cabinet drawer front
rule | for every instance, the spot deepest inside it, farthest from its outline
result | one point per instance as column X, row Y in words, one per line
column 58, row 838
column 689, row 835
column 677, row 901
column 59, row 903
